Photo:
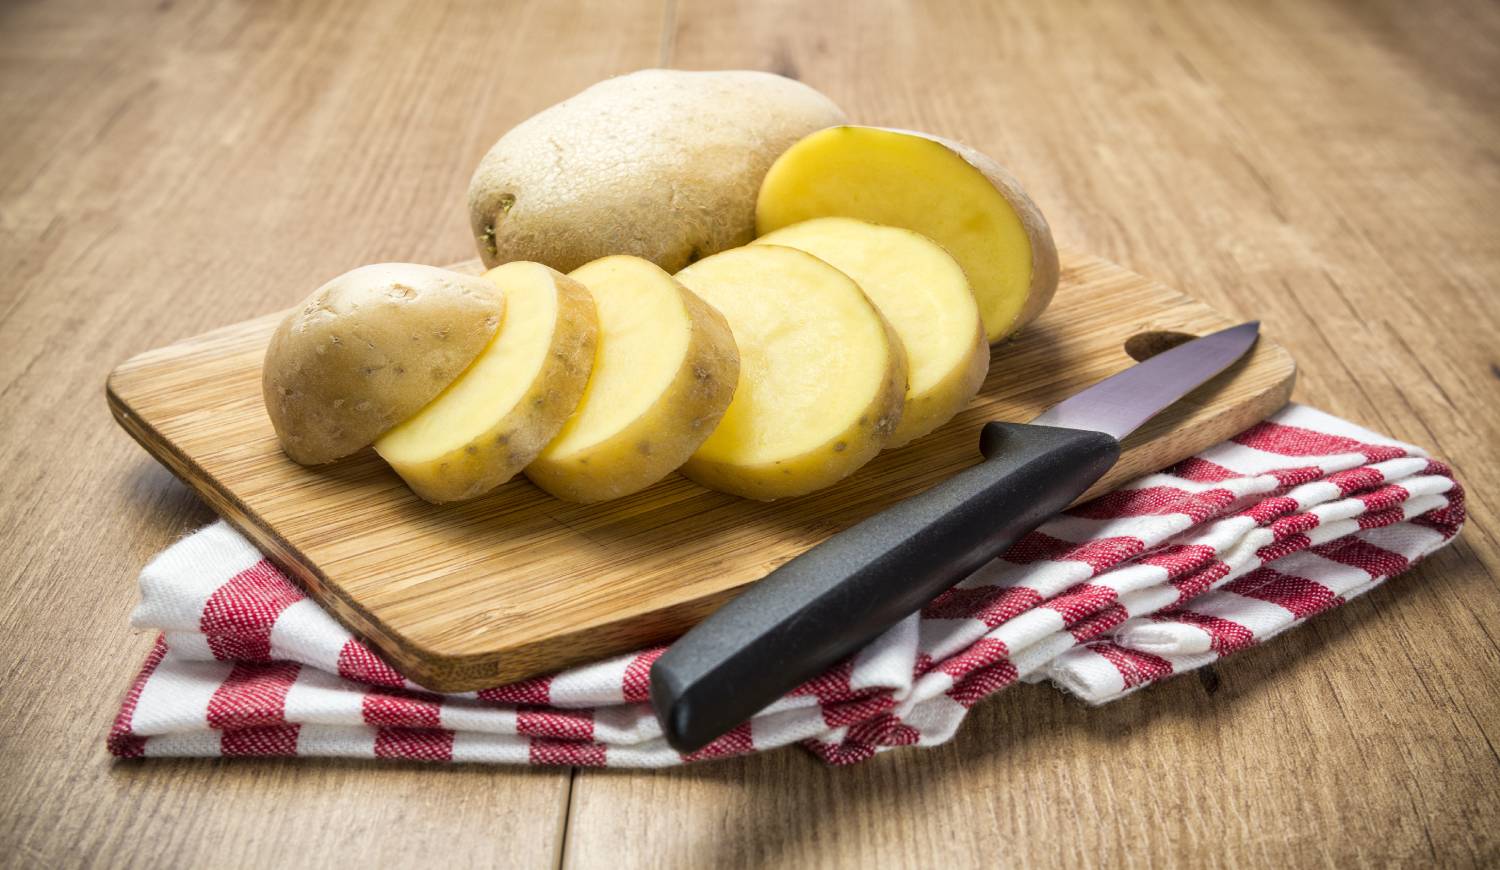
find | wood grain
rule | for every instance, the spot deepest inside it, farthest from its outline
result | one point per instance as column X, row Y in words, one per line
column 1330, row 167
column 517, row 583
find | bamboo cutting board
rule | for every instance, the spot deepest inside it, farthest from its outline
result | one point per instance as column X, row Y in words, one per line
column 517, row 583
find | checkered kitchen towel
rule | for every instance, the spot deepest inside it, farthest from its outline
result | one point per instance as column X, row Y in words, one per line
column 1292, row 517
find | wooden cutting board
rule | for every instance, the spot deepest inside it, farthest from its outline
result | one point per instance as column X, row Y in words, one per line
column 517, row 583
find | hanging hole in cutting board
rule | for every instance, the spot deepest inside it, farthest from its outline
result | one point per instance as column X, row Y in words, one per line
column 1145, row 345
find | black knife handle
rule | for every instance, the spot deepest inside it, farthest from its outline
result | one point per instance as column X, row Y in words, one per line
column 838, row 596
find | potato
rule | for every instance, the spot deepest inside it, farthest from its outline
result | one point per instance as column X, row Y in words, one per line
column 369, row 349
column 949, row 192
column 664, row 372
column 822, row 375
column 661, row 164
column 499, row 414
column 926, row 299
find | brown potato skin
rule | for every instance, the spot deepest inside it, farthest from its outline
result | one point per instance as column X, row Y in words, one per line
column 661, row 164
column 369, row 349
column 513, row 442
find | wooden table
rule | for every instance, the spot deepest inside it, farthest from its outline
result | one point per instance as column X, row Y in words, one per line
column 1333, row 169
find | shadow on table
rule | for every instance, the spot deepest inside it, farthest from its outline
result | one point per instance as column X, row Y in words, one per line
column 151, row 492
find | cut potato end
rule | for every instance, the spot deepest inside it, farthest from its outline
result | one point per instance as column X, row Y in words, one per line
column 924, row 296
column 664, row 373
column 821, row 381
column 499, row 414
column 369, row 349
column 950, row 193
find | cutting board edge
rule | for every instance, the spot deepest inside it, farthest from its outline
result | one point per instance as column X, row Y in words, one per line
column 471, row 671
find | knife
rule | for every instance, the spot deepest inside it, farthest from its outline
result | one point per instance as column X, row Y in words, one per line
column 832, row 600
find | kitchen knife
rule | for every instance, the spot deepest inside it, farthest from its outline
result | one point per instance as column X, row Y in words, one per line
column 838, row 596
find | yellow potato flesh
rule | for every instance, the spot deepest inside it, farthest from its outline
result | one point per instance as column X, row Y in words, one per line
column 505, row 407
column 643, row 335
column 664, row 372
column 912, row 181
column 926, row 299
column 821, row 375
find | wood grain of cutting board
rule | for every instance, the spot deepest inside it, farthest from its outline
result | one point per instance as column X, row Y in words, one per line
column 517, row 583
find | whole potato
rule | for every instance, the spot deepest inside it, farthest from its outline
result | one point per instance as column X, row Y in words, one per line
column 661, row 164
column 369, row 349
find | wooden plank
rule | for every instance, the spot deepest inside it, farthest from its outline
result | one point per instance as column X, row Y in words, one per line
column 1328, row 167
column 170, row 167
column 517, row 583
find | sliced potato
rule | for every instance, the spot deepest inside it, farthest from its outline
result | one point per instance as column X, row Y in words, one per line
column 924, row 296
column 822, row 375
column 500, row 413
column 664, row 372
column 369, row 349
column 949, row 192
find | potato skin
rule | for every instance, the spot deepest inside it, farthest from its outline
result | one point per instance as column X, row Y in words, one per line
column 512, row 443
column 655, row 444
column 369, row 349
column 661, row 164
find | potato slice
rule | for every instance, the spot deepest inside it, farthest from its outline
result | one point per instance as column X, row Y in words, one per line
column 949, row 192
column 369, row 349
column 822, row 375
column 926, row 299
column 500, row 413
column 664, row 372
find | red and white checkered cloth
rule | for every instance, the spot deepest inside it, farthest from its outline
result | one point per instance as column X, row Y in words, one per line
column 1292, row 517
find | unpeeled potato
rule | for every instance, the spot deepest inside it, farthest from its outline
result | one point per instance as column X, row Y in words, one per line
column 497, row 416
column 369, row 349
column 659, row 164
column 946, row 191
column 822, row 376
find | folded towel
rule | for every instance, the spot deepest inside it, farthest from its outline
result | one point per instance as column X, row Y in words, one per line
column 1291, row 517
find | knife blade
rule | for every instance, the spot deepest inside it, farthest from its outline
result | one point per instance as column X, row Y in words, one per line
column 832, row 600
